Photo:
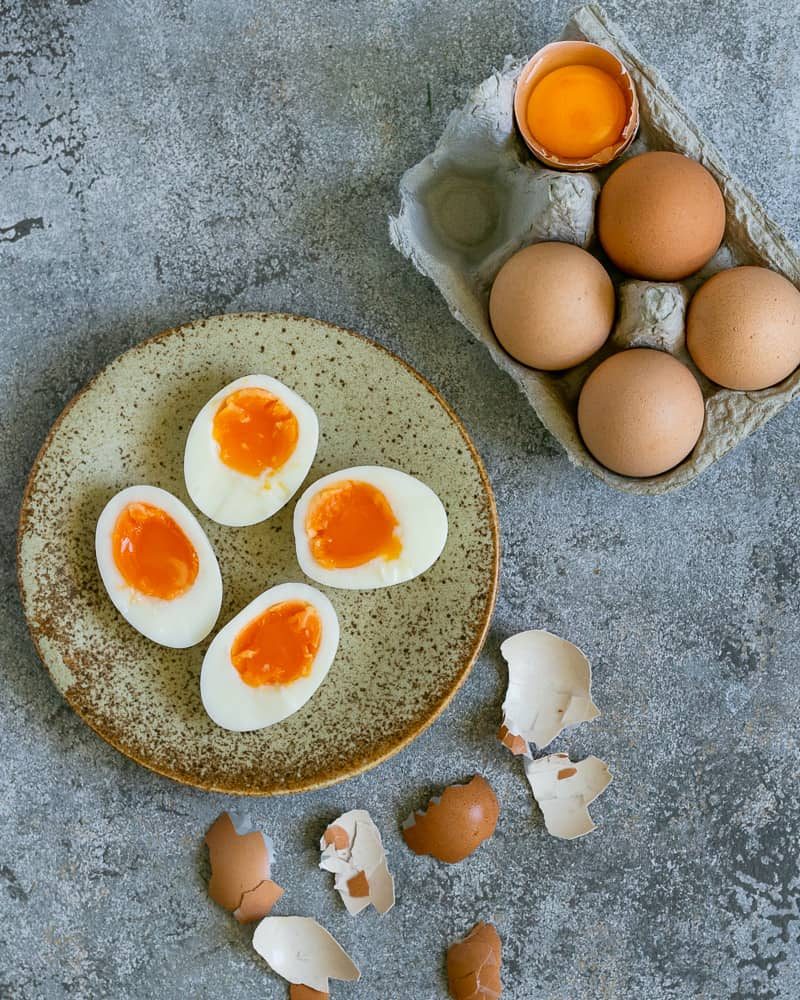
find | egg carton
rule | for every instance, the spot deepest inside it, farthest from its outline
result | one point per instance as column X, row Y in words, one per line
column 480, row 196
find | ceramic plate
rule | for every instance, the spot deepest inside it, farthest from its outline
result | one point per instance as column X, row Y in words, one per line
column 404, row 650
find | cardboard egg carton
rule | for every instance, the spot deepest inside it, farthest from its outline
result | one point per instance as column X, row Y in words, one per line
column 479, row 197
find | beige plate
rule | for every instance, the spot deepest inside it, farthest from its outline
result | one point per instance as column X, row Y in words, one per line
column 404, row 650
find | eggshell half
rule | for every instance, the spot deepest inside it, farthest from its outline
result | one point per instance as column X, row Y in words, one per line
column 743, row 328
column 454, row 825
column 640, row 412
column 554, row 56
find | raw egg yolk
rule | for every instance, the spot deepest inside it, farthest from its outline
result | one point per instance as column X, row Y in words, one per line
column 255, row 431
column 278, row 646
column 350, row 523
column 576, row 111
column 152, row 553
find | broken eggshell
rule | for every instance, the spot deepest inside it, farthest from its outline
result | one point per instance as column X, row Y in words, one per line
column 240, row 859
column 473, row 965
column 564, row 789
column 455, row 823
column 575, row 53
column 353, row 850
column 303, row 952
column 549, row 688
column 297, row 991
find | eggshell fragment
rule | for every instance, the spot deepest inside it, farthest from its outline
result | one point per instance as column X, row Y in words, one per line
column 299, row 992
column 549, row 688
column 240, row 867
column 455, row 823
column 563, row 790
column 303, row 952
column 352, row 849
column 573, row 53
column 473, row 965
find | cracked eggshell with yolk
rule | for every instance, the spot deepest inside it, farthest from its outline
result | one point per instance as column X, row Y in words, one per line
column 236, row 705
column 233, row 496
column 368, row 542
column 179, row 621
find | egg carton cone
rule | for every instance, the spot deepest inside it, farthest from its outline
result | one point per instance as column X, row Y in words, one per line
column 480, row 196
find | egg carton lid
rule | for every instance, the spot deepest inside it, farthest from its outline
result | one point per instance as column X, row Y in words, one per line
column 480, row 140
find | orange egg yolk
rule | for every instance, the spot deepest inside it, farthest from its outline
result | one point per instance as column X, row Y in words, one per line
column 350, row 523
column 152, row 553
column 255, row 431
column 576, row 111
column 278, row 646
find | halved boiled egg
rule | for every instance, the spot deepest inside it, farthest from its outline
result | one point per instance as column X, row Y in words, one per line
column 249, row 449
column 158, row 566
column 368, row 527
column 270, row 659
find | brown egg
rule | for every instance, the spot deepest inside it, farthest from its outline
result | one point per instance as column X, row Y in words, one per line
column 640, row 412
column 451, row 828
column 552, row 305
column 473, row 965
column 660, row 216
column 743, row 328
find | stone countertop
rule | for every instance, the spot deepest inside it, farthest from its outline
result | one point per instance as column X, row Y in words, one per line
column 163, row 160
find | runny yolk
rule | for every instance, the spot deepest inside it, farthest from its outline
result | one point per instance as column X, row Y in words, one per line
column 278, row 646
column 255, row 431
column 576, row 111
column 152, row 553
column 350, row 523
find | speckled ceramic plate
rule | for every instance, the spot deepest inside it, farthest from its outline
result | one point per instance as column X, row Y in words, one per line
column 404, row 650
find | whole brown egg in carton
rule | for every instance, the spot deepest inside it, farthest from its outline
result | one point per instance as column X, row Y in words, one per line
column 651, row 309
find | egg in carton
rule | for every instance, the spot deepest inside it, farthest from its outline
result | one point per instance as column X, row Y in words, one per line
column 480, row 196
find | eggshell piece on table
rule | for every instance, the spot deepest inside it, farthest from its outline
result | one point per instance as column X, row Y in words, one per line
column 661, row 216
column 353, row 850
column 473, row 965
column 557, row 56
column 297, row 991
column 552, row 306
column 455, row 823
column 303, row 952
column 640, row 412
column 563, row 790
column 240, row 869
column 743, row 328
column 549, row 688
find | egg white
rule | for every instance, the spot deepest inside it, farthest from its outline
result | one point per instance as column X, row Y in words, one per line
column 230, row 497
column 183, row 621
column 241, row 708
column 422, row 529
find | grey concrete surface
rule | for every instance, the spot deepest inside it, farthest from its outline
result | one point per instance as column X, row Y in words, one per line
column 161, row 160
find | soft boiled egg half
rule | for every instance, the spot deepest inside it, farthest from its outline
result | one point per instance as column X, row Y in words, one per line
column 158, row 566
column 368, row 527
column 249, row 449
column 270, row 659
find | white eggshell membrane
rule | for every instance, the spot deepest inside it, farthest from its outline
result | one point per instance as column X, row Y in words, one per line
column 233, row 498
column 184, row 620
column 564, row 789
column 365, row 854
column 302, row 951
column 549, row 687
column 422, row 529
column 240, row 707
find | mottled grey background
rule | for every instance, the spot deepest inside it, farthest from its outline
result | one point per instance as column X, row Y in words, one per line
column 166, row 160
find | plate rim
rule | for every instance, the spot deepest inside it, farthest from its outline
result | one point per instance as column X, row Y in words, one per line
column 466, row 667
